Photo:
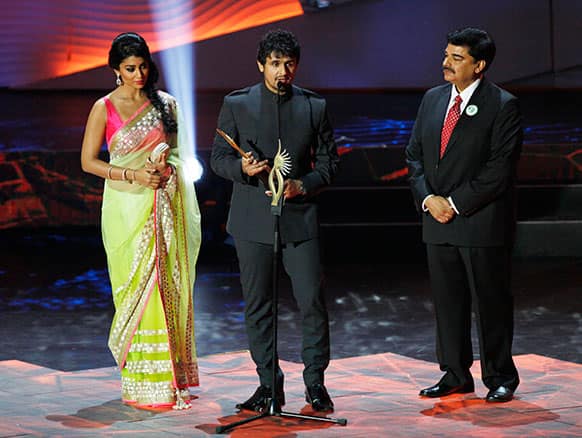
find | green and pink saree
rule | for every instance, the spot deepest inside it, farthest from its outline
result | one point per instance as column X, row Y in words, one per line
column 152, row 240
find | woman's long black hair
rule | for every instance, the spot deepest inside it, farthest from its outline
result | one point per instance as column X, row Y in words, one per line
column 131, row 44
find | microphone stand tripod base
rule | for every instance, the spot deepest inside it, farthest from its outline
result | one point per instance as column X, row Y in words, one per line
column 274, row 410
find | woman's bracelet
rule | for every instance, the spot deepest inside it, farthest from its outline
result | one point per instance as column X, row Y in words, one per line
column 123, row 174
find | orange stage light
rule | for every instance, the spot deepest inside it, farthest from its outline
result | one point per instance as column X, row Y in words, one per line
column 73, row 36
column 210, row 19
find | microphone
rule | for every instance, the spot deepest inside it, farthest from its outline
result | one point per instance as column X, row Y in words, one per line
column 280, row 86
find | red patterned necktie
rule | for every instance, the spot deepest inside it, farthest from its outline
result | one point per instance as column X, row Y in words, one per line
column 450, row 122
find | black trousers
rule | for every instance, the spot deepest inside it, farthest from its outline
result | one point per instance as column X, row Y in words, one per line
column 301, row 261
column 463, row 278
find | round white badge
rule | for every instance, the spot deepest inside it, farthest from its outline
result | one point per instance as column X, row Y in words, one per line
column 472, row 110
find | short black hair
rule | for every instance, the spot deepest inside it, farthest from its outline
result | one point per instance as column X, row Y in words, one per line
column 481, row 45
column 280, row 41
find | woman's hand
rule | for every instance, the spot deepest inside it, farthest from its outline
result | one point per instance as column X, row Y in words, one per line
column 158, row 166
column 148, row 178
column 157, row 173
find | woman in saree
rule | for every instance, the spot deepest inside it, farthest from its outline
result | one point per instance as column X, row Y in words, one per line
column 150, row 225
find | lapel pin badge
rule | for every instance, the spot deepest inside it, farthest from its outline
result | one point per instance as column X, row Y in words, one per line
column 472, row 110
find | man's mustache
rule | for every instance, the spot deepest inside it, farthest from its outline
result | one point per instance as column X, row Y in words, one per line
column 449, row 69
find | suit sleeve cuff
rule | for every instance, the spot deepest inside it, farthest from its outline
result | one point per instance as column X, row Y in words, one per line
column 311, row 182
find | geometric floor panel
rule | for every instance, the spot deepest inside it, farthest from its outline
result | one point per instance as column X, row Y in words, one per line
column 377, row 394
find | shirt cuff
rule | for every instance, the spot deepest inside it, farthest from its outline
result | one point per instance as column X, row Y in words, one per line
column 453, row 204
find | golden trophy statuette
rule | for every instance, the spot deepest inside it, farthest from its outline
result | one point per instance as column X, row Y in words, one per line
column 281, row 167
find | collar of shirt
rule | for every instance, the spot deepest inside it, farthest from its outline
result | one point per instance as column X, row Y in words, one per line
column 465, row 95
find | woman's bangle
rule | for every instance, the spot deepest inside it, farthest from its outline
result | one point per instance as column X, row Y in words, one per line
column 133, row 175
column 124, row 174
column 109, row 172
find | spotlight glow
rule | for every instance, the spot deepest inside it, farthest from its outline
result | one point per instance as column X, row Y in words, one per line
column 193, row 169
column 178, row 67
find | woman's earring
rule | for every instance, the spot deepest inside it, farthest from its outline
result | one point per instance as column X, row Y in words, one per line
column 118, row 81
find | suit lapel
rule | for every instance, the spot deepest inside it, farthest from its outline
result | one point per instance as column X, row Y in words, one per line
column 465, row 122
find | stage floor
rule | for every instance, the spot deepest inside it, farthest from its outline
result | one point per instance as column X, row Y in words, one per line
column 377, row 394
column 57, row 377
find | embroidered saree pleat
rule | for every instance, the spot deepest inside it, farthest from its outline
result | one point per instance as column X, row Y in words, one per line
column 152, row 243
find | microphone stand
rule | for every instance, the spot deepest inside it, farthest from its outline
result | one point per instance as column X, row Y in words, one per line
column 281, row 166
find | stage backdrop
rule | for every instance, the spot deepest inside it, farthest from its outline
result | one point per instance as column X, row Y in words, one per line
column 360, row 44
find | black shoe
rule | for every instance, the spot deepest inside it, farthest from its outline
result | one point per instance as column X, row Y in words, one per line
column 500, row 394
column 442, row 389
column 261, row 399
column 318, row 397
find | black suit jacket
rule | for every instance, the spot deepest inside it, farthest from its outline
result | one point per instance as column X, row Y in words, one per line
column 308, row 137
column 477, row 169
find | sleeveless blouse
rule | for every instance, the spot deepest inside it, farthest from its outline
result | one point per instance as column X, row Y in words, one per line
column 114, row 121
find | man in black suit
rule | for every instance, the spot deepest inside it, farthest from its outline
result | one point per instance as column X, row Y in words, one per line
column 462, row 176
column 249, row 116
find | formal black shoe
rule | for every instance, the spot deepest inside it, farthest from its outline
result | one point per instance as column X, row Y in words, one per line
column 261, row 399
column 318, row 397
column 500, row 394
column 442, row 389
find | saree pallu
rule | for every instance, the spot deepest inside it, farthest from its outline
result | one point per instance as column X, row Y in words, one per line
column 152, row 240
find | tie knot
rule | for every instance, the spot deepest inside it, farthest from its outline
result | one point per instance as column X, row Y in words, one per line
column 458, row 99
